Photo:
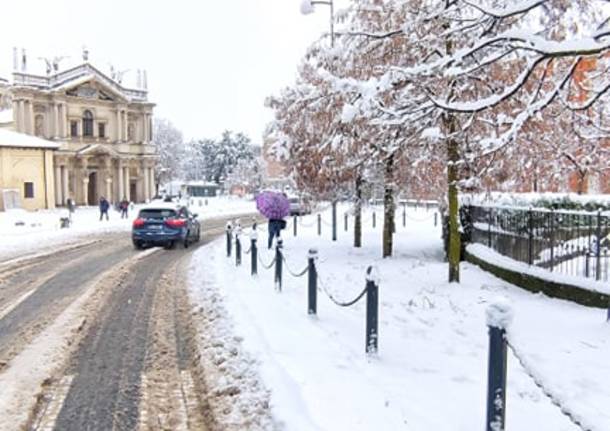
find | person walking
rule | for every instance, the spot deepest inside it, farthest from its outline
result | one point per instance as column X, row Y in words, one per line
column 275, row 228
column 124, row 207
column 104, row 207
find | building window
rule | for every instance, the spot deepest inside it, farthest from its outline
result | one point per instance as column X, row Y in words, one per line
column 101, row 130
column 87, row 123
column 74, row 129
column 28, row 190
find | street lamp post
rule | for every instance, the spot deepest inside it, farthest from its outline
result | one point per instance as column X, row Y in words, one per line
column 308, row 7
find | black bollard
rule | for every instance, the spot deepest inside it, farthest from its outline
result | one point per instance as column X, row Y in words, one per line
column 229, row 229
column 278, row 265
column 404, row 217
column 435, row 219
column 334, row 220
column 312, row 283
column 372, row 312
column 253, row 254
column 498, row 319
column 237, row 250
column 294, row 224
column 345, row 222
column 319, row 225
column 374, row 220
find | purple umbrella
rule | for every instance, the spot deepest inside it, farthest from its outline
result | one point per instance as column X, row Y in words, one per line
column 273, row 205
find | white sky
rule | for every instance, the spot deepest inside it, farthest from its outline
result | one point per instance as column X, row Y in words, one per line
column 210, row 63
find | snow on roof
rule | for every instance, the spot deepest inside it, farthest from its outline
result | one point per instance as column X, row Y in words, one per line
column 9, row 138
column 6, row 116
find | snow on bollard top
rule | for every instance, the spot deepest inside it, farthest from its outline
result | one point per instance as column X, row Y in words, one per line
column 306, row 7
column 500, row 313
column 372, row 274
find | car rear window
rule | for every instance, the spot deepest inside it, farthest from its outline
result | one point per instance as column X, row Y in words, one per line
column 294, row 200
column 157, row 213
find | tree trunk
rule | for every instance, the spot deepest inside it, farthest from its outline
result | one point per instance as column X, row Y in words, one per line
column 453, row 157
column 388, row 208
column 358, row 213
column 452, row 197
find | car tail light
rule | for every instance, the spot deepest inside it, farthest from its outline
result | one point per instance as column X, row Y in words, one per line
column 175, row 223
column 139, row 222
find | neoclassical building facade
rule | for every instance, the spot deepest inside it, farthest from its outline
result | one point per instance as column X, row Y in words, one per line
column 103, row 129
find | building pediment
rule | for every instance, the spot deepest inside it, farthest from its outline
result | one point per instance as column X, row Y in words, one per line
column 97, row 150
column 90, row 87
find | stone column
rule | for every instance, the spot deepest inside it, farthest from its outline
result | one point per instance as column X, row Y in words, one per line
column 145, row 129
column 66, row 130
column 65, row 184
column 56, row 134
column 121, row 185
column 85, row 200
column 125, row 124
column 153, row 188
column 146, row 184
column 31, row 117
column 21, row 121
column 58, row 190
column 118, row 125
column 109, row 187
column 127, row 184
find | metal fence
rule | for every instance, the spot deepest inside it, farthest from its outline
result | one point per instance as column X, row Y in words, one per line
column 565, row 242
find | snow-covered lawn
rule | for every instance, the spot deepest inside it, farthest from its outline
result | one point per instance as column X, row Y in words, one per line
column 431, row 370
column 22, row 231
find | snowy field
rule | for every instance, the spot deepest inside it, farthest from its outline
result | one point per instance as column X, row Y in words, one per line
column 431, row 369
column 22, row 231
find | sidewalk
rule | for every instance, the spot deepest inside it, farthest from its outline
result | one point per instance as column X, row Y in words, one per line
column 430, row 373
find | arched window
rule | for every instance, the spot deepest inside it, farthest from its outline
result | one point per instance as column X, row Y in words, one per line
column 87, row 123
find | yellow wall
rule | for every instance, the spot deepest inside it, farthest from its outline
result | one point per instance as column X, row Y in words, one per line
column 21, row 165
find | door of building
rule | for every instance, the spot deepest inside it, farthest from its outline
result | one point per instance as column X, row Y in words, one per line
column 133, row 195
column 92, row 191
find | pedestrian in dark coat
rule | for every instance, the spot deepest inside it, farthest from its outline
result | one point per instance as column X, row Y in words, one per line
column 104, row 207
column 124, row 207
column 275, row 228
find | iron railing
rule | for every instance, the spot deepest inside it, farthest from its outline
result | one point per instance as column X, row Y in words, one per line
column 566, row 242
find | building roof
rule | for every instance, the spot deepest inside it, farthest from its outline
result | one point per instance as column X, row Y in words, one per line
column 9, row 138
column 75, row 76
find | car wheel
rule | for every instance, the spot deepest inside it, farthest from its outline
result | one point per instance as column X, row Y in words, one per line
column 138, row 245
column 169, row 245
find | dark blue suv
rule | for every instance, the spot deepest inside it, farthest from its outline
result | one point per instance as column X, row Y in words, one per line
column 165, row 225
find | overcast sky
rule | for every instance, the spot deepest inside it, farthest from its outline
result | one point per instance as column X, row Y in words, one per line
column 210, row 63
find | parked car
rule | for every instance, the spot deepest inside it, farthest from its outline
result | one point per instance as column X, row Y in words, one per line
column 165, row 225
column 298, row 206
